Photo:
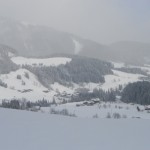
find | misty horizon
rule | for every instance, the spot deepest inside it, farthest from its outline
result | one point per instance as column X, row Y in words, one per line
column 102, row 21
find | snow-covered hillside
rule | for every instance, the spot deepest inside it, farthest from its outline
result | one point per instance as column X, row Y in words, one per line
column 119, row 78
column 21, row 79
column 56, row 61
column 112, row 81
column 21, row 130
column 23, row 84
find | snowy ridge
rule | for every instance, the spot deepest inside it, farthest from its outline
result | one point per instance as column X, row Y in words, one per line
column 56, row 61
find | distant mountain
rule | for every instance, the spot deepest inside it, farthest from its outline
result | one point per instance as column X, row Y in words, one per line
column 125, row 51
column 131, row 52
column 34, row 40
column 40, row 41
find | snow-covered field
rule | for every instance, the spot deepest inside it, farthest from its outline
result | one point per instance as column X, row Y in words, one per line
column 56, row 61
column 21, row 130
column 102, row 110
column 119, row 78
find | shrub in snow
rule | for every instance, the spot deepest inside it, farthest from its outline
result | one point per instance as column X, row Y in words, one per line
column 116, row 116
column 40, row 64
column 23, row 83
column 104, row 106
column 63, row 112
column 95, row 116
column 120, row 107
column 3, row 84
column 26, row 75
column 19, row 77
column 108, row 115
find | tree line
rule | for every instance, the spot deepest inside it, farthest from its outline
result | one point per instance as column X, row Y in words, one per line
column 138, row 92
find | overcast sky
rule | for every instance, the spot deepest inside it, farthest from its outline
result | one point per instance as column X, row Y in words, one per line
column 105, row 21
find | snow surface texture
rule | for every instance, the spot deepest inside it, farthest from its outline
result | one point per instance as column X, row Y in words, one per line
column 56, row 61
column 21, row 130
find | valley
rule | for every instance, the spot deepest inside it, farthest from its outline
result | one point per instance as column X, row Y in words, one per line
column 74, row 75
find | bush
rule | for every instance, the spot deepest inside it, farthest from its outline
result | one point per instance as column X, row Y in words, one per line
column 19, row 77
column 26, row 75
column 116, row 116
column 63, row 112
column 108, row 115
column 3, row 84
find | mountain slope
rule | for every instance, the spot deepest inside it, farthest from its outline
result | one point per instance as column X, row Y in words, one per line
column 34, row 40
column 125, row 51
column 40, row 41
column 131, row 52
